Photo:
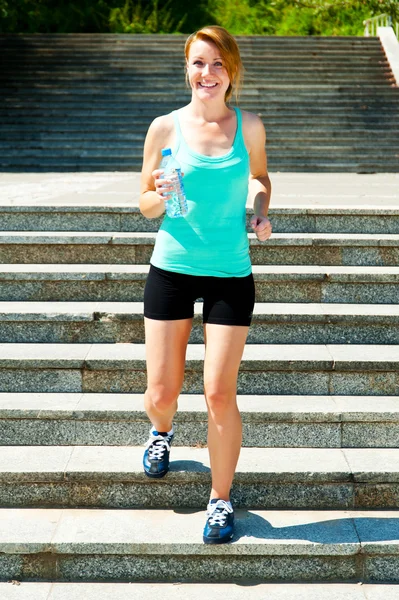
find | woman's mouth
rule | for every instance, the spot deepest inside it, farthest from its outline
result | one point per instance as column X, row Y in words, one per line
column 207, row 86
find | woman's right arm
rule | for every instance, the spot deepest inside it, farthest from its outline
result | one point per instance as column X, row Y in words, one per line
column 152, row 204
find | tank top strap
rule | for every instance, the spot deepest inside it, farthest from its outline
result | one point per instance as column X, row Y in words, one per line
column 179, row 137
column 239, row 137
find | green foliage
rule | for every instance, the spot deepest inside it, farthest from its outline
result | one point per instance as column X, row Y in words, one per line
column 148, row 19
column 55, row 16
column 240, row 17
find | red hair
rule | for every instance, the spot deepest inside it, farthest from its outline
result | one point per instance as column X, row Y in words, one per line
column 229, row 53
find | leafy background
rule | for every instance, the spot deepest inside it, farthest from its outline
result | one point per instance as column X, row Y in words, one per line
column 240, row 17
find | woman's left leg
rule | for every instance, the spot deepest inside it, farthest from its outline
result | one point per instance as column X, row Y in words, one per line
column 224, row 350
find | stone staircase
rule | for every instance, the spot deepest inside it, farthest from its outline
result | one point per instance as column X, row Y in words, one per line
column 79, row 102
column 317, row 485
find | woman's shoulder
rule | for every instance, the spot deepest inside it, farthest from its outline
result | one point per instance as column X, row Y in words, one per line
column 252, row 128
column 162, row 125
column 251, row 121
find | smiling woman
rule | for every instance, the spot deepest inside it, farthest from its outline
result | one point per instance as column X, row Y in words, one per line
column 221, row 150
column 226, row 56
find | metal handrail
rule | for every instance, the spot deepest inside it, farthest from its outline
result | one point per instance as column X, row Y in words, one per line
column 373, row 23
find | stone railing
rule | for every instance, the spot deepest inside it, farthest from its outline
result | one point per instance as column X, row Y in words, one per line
column 371, row 25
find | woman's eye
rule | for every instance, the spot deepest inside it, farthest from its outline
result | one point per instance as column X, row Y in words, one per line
column 198, row 62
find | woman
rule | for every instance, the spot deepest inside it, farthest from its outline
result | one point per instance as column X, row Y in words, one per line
column 204, row 255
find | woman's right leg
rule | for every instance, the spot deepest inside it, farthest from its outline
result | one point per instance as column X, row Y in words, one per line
column 166, row 344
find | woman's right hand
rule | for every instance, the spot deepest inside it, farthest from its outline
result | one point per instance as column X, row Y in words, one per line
column 163, row 187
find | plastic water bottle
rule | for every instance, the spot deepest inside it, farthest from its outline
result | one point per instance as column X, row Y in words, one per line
column 176, row 204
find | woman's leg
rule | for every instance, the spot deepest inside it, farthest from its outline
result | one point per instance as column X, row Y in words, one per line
column 224, row 349
column 166, row 343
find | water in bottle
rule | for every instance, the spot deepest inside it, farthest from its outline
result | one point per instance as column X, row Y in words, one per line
column 176, row 204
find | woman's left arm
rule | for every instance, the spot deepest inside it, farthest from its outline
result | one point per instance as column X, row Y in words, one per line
column 259, row 186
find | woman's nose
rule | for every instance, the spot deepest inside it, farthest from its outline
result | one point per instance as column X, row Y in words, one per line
column 206, row 69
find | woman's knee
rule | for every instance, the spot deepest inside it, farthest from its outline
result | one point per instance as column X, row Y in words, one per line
column 220, row 399
column 162, row 397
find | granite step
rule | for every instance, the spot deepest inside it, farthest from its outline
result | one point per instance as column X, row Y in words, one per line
column 136, row 248
column 265, row 478
column 125, row 283
column 119, row 216
column 119, row 545
column 265, row 369
column 273, row 323
column 14, row 590
column 40, row 419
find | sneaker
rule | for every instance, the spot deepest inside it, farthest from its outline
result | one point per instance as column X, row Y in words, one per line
column 219, row 526
column 156, row 455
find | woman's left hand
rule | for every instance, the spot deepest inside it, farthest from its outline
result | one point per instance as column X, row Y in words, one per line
column 262, row 227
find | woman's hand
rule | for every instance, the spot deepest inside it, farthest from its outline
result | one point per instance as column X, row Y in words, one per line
column 163, row 187
column 262, row 227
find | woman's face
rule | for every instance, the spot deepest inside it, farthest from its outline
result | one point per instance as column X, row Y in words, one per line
column 206, row 71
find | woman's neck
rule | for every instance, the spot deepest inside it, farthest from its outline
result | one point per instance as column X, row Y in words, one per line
column 208, row 112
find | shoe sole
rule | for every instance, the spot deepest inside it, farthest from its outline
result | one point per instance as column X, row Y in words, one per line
column 156, row 475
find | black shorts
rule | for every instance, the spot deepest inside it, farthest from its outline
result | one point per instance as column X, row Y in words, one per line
column 227, row 300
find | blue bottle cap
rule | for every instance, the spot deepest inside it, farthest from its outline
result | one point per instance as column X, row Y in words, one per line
column 166, row 151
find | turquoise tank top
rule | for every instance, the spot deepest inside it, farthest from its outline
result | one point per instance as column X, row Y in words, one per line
column 211, row 239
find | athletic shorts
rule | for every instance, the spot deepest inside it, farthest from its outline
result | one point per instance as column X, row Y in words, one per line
column 170, row 296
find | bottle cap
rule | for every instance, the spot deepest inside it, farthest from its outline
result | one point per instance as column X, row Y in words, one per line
column 166, row 151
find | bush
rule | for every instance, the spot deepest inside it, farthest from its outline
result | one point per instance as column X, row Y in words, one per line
column 240, row 17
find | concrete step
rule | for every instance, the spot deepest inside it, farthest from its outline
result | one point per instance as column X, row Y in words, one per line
column 78, row 105
column 283, row 134
column 134, row 155
column 265, row 369
column 126, row 148
column 280, row 143
column 249, row 46
column 143, row 117
column 63, row 419
column 382, row 74
column 265, row 478
column 157, row 39
column 77, row 165
column 273, row 323
column 61, row 89
column 92, row 214
column 95, row 114
column 95, row 42
column 119, row 545
column 330, row 81
column 269, row 63
column 125, row 283
column 121, row 158
column 136, row 248
column 329, row 141
column 255, row 94
column 193, row 591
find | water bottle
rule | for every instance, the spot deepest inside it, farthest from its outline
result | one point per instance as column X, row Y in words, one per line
column 176, row 204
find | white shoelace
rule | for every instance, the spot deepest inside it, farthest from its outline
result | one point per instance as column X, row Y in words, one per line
column 217, row 513
column 157, row 446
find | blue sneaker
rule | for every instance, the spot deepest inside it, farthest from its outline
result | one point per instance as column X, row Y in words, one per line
column 156, row 455
column 219, row 526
